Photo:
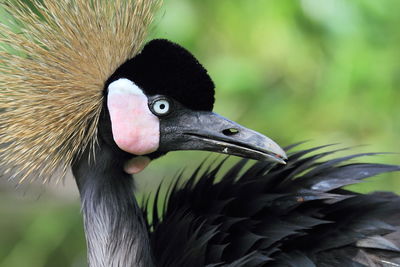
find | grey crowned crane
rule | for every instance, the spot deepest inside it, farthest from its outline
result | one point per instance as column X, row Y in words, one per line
column 81, row 90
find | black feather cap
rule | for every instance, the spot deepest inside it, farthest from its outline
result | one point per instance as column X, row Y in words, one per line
column 166, row 68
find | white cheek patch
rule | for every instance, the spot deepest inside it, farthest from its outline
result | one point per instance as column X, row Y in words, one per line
column 135, row 129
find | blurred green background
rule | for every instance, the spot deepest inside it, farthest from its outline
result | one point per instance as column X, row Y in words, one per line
column 321, row 70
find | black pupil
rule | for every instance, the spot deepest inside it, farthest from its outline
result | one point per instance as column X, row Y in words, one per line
column 162, row 106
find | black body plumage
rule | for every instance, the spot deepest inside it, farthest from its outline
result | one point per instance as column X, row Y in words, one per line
column 296, row 214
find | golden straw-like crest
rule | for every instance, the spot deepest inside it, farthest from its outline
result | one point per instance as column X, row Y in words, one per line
column 52, row 73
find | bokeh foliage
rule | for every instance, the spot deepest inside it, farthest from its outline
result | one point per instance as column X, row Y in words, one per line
column 326, row 71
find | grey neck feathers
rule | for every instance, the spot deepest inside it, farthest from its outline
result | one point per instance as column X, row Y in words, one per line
column 115, row 231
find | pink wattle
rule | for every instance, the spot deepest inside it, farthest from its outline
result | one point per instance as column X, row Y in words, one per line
column 136, row 165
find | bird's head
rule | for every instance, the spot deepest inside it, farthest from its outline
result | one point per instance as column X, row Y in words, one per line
column 161, row 100
column 72, row 94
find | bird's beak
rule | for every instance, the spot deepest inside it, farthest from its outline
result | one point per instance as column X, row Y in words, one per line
column 202, row 130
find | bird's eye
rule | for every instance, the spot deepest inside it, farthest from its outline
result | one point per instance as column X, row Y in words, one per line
column 160, row 107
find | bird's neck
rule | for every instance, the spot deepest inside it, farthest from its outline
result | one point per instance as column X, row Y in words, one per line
column 115, row 231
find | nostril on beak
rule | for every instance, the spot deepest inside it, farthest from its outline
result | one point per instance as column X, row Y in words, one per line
column 230, row 131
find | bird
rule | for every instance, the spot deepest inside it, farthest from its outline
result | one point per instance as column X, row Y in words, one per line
column 82, row 89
